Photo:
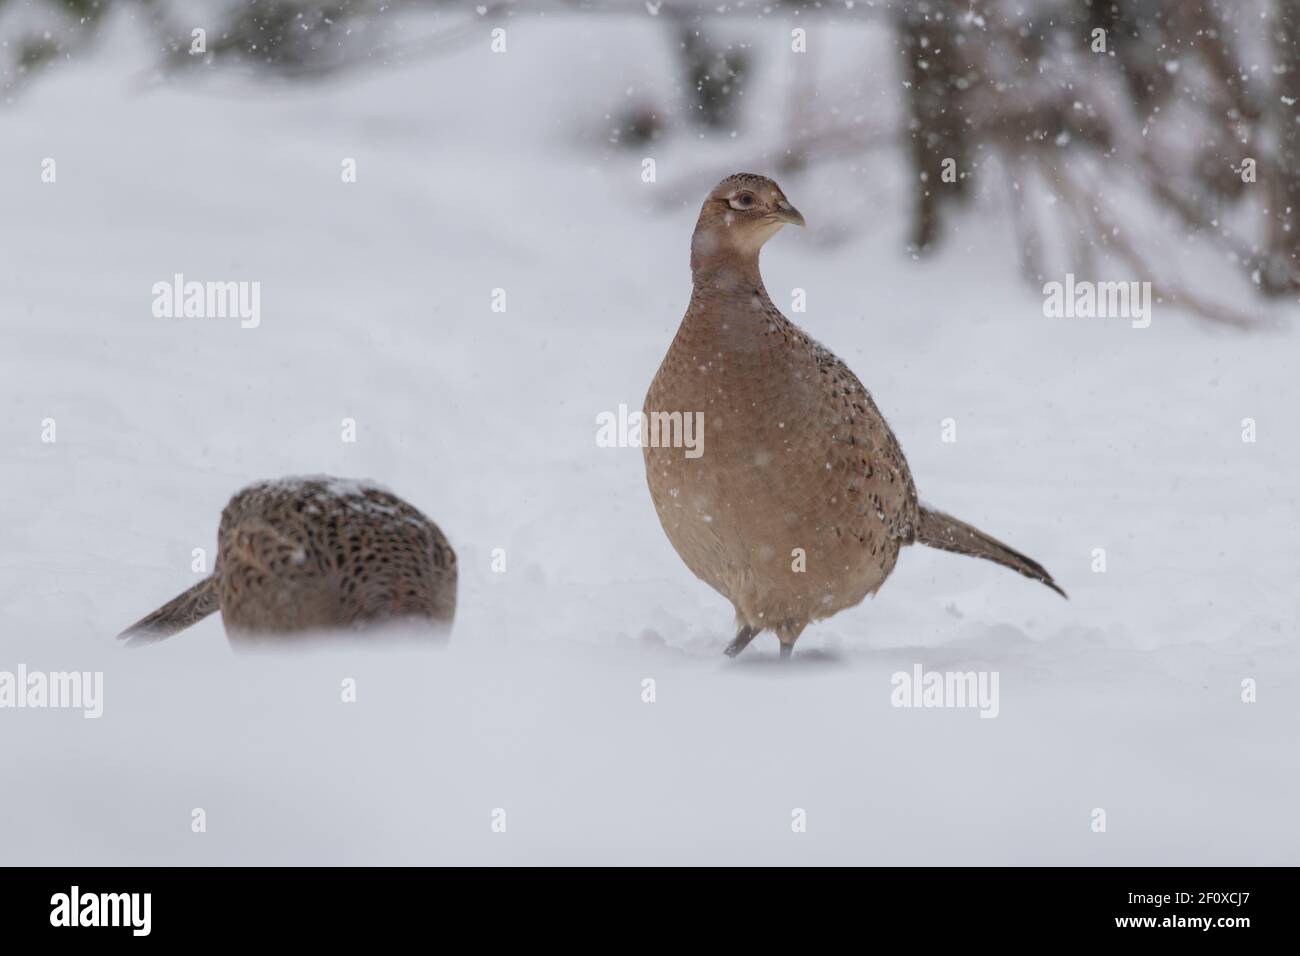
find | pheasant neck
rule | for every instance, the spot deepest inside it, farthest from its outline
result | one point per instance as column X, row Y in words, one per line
column 730, row 308
column 723, row 274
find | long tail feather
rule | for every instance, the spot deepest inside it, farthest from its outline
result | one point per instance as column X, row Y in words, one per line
column 946, row 533
column 177, row 614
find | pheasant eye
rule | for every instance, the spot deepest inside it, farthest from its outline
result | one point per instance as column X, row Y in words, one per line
column 743, row 201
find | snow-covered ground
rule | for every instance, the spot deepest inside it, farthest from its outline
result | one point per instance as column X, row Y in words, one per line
column 479, row 172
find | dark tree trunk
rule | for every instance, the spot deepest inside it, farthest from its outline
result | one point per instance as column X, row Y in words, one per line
column 935, row 126
column 1282, row 276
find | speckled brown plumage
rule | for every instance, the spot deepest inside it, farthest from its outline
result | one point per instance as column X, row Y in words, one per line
column 802, row 498
column 311, row 554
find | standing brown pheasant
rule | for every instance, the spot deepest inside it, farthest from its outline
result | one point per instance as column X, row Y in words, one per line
column 801, row 498
column 312, row 554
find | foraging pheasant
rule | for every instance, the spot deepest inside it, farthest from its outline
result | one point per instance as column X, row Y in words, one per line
column 312, row 554
column 801, row 498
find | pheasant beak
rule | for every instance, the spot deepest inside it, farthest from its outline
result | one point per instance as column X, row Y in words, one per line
column 787, row 213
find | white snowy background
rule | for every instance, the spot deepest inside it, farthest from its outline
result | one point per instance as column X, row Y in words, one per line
column 479, row 171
